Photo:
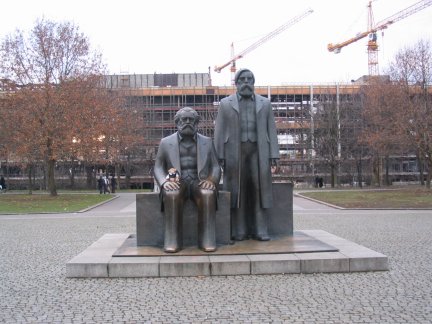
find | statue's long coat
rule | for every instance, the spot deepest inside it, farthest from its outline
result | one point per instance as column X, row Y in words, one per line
column 227, row 143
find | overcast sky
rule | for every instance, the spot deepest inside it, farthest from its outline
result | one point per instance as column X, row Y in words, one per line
column 187, row 36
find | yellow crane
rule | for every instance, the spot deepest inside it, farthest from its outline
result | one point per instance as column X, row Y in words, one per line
column 372, row 45
column 262, row 40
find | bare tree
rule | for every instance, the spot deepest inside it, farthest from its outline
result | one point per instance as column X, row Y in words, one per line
column 382, row 106
column 95, row 125
column 412, row 72
column 127, row 139
column 327, row 137
column 5, row 139
column 58, row 76
column 353, row 150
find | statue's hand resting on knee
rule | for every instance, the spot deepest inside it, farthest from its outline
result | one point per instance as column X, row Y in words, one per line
column 170, row 186
column 208, row 185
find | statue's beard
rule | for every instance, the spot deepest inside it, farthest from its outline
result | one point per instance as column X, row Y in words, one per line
column 246, row 90
column 187, row 130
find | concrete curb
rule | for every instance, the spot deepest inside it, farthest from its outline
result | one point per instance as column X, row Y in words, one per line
column 64, row 212
column 344, row 208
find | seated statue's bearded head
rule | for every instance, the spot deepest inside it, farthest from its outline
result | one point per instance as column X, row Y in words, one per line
column 187, row 120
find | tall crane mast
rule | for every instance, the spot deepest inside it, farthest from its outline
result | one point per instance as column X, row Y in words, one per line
column 372, row 45
column 262, row 40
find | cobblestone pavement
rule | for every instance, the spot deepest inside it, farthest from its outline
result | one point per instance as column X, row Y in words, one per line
column 35, row 248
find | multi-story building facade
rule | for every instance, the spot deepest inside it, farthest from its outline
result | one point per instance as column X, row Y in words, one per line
column 160, row 96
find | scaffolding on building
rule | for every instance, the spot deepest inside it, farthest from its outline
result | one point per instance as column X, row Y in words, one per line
column 159, row 97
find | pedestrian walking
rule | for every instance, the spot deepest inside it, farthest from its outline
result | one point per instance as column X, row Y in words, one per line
column 100, row 184
column 113, row 184
column 2, row 184
column 105, row 185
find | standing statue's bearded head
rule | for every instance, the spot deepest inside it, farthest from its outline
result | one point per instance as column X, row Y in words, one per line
column 245, row 80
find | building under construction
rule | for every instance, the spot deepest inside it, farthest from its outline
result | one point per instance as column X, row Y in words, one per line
column 159, row 96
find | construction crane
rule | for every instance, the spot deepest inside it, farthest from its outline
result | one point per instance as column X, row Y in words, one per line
column 372, row 45
column 264, row 39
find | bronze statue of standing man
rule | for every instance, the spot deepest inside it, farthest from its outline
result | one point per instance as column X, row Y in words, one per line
column 247, row 147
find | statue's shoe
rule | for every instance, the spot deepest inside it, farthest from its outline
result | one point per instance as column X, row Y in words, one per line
column 171, row 249
column 261, row 237
column 240, row 237
column 208, row 248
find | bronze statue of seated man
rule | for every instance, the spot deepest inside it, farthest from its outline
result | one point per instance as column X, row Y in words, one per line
column 187, row 167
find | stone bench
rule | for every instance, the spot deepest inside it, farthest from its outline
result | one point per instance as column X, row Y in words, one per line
column 150, row 219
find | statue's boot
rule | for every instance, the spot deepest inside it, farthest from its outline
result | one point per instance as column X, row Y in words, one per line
column 206, row 221
column 261, row 226
column 173, row 222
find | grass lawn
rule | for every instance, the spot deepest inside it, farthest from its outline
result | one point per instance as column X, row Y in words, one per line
column 39, row 203
column 381, row 198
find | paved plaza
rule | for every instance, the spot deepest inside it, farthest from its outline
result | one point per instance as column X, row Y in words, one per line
column 34, row 250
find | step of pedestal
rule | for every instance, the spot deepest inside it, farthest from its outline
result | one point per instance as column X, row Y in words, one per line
column 98, row 261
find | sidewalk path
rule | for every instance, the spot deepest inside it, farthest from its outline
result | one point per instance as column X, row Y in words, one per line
column 34, row 250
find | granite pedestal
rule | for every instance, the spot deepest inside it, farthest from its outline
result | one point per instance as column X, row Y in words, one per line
column 102, row 259
column 140, row 255
column 150, row 222
column 150, row 218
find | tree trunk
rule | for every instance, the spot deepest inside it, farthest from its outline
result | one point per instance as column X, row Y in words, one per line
column 128, row 176
column 41, row 180
column 51, row 169
column 360, row 173
column 34, row 169
column 72, row 175
column 421, row 169
column 44, row 182
column 128, row 172
column 429, row 175
column 7, row 172
column 30, row 182
column 117, row 173
column 376, row 171
column 387, row 171
column 51, row 177
column 90, row 176
column 332, row 175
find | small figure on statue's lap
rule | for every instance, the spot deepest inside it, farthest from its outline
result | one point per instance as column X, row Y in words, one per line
column 187, row 167
column 173, row 175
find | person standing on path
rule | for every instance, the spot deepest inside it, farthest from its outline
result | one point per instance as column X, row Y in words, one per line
column 113, row 183
column 2, row 184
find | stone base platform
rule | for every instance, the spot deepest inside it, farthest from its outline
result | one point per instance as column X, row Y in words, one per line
column 308, row 251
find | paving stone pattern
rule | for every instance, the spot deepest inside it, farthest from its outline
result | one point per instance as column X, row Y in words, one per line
column 34, row 250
